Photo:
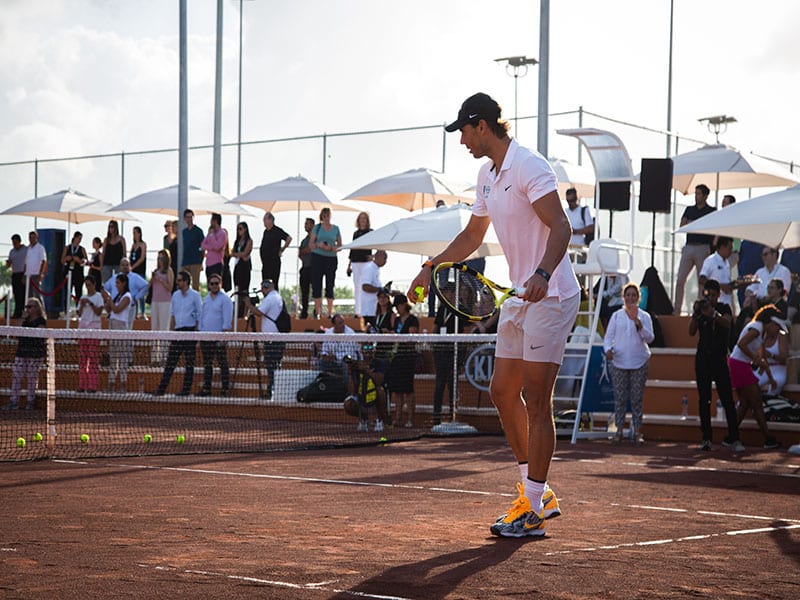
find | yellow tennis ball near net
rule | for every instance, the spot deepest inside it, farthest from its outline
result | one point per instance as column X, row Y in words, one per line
column 180, row 439
column 84, row 438
column 20, row 442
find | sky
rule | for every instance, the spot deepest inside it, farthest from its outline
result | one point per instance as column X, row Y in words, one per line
column 86, row 77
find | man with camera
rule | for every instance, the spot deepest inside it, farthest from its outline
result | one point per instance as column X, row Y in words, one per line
column 712, row 319
column 269, row 309
column 365, row 384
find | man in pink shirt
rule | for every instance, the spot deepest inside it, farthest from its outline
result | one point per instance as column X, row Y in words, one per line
column 214, row 245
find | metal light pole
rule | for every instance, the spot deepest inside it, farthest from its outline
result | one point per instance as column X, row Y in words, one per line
column 183, row 130
column 516, row 67
column 217, row 158
column 716, row 125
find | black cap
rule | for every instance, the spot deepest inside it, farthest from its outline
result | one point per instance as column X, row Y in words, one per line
column 477, row 107
column 711, row 284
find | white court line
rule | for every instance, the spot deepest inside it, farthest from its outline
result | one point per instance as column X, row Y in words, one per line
column 321, row 586
column 689, row 538
column 8, row 549
column 706, row 512
column 713, row 470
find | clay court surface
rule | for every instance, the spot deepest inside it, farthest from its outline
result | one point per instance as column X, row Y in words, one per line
column 403, row 520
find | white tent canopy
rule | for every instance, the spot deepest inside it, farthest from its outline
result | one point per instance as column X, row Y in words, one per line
column 772, row 219
column 164, row 201
column 413, row 190
column 427, row 233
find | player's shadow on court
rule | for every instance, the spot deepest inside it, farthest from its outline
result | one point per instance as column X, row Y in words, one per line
column 783, row 539
column 437, row 576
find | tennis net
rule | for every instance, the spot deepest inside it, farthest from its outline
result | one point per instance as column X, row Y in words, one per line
column 106, row 392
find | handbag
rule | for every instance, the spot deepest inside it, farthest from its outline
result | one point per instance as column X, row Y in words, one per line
column 227, row 280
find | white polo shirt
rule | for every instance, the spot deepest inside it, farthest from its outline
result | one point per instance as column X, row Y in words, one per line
column 716, row 267
column 765, row 275
column 507, row 198
column 33, row 259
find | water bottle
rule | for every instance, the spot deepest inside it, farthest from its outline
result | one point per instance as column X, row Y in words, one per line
column 685, row 407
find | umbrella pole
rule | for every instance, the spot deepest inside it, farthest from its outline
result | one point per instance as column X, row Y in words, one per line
column 653, row 246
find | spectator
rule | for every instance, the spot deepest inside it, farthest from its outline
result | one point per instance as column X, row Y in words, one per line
column 717, row 267
column 138, row 265
column 628, row 334
column 96, row 261
column 16, row 262
column 271, row 249
column 304, row 253
column 580, row 218
column 73, row 257
column 358, row 259
column 698, row 246
column 173, row 251
column 384, row 313
column 370, row 278
column 162, row 282
column 366, row 379
column 217, row 315
column 242, row 248
column 713, row 319
column 776, row 352
column 113, row 251
column 611, row 299
column 748, row 355
column 269, row 309
column 727, row 200
column 137, row 286
column 120, row 309
column 89, row 309
column 185, row 310
column 29, row 356
column 403, row 365
column 325, row 243
column 445, row 321
column 192, row 248
column 333, row 353
column 35, row 265
column 776, row 294
column 169, row 235
column 215, row 245
column 771, row 269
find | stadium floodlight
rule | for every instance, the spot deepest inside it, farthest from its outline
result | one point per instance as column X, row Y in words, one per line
column 516, row 67
column 717, row 124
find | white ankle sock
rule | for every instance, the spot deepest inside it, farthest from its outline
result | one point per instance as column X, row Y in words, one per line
column 523, row 472
column 534, row 491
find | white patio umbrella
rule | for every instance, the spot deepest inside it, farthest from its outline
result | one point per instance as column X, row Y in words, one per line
column 67, row 205
column 772, row 219
column 427, row 233
column 413, row 190
column 721, row 167
column 293, row 193
column 570, row 175
column 165, row 202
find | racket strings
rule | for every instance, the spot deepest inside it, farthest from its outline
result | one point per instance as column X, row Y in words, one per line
column 475, row 298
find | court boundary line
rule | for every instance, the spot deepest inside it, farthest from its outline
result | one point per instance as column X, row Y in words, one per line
column 276, row 583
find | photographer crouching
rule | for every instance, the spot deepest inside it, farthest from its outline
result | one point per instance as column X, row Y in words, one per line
column 365, row 384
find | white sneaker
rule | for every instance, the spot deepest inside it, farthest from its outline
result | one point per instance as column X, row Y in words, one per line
column 378, row 425
column 362, row 426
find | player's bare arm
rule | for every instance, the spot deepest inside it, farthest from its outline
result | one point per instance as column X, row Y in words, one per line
column 464, row 244
column 548, row 208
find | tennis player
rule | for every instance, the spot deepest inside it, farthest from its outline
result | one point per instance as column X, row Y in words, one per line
column 517, row 192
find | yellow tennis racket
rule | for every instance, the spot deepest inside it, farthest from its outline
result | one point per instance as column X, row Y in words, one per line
column 467, row 292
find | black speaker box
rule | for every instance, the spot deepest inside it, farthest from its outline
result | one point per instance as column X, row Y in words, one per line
column 615, row 195
column 655, row 185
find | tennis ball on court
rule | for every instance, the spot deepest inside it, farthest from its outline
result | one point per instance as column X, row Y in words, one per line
column 420, row 293
column 20, row 442
column 85, row 438
column 383, row 440
column 148, row 438
column 37, row 437
column 180, row 439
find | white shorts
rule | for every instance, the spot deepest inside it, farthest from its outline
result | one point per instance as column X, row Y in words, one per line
column 536, row 331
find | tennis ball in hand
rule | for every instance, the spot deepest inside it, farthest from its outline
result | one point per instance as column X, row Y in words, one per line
column 419, row 291
column 37, row 437
column 20, row 442
column 85, row 438
column 148, row 438
column 180, row 439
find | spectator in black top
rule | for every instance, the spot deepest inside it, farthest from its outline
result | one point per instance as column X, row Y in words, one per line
column 698, row 246
column 73, row 258
column 712, row 319
column 271, row 250
column 30, row 356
